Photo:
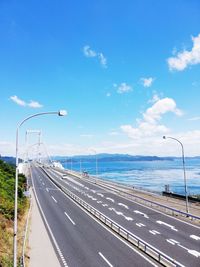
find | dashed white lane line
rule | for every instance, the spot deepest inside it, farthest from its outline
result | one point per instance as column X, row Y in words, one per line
column 99, row 201
column 154, row 232
column 143, row 214
column 104, row 205
column 168, row 225
column 195, row 237
column 172, row 241
column 70, row 218
column 140, row 224
column 54, row 199
column 110, row 199
column 123, row 205
column 104, row 258
column 43, row 183
column 47, row 189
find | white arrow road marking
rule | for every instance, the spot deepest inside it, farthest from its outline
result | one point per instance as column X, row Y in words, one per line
column 140, row 224
column 54, row 199
column 139, row 212
column 118, row 212
column 168, row 225
column 99, row 194
column 195, row 237
column 103, row 257
column 92, row 190
column 70, row 218
column 128, row 218
column 191, row 251
column 86, row 187
column 47, row 189
column 123, row 205
column 108, row 198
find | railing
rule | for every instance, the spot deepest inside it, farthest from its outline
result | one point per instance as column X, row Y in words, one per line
column 131, row 196
column 130, row 237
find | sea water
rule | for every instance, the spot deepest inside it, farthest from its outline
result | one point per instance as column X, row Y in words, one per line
column 149, row 175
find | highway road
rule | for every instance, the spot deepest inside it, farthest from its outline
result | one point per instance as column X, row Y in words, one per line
column 175, row 238
column 79, row 240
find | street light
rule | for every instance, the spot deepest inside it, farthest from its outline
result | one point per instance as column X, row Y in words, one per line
column 184, row 173
column 95, row 160
column 59, row 113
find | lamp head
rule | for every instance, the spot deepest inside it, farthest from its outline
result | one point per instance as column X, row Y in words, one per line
column 62, row 112
column 164, row 137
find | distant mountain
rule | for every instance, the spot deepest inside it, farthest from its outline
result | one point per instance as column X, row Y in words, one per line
column 104, row 157
column 10, row 160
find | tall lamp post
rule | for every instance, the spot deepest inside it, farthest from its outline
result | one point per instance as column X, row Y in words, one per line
column 59, row 113
column 96, row 160
column 184, row 173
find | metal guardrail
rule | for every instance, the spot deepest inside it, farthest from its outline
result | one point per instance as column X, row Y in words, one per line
column 130, row 237
column 131, row 196
column 173, row 211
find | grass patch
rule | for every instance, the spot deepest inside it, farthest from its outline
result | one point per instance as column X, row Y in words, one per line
column 7, row 189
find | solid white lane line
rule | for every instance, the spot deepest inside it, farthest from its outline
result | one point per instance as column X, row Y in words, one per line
column 54, row 199
column 195, row 237
column 168, row 225
column 47, row 189
column 107, row 229
column 49, row 229
column 103, row 257
column 70, row 218
column 123, row 205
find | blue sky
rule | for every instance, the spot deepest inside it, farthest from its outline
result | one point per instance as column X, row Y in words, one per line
column 127, row 72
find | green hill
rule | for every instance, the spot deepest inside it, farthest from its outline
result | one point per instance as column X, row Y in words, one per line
column 7, row 188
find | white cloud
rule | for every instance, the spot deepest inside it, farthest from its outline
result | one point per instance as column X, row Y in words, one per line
column 108, row 94
column 149, row 125
column 34, row 104
column 20, row 102
column 87, row 135
column 186, row 58
column 154, row 99
column 194, row 119
column 124, row 88
column 113, row 133
column 147, row 82
column 88, row 52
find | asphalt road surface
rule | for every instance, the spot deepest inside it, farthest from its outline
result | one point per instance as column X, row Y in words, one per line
column 79, row 240
column 177, row 239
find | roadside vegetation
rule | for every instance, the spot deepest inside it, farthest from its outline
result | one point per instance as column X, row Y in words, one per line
column 7, row 188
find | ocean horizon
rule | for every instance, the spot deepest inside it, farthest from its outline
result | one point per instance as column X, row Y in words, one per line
column 147, row 175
